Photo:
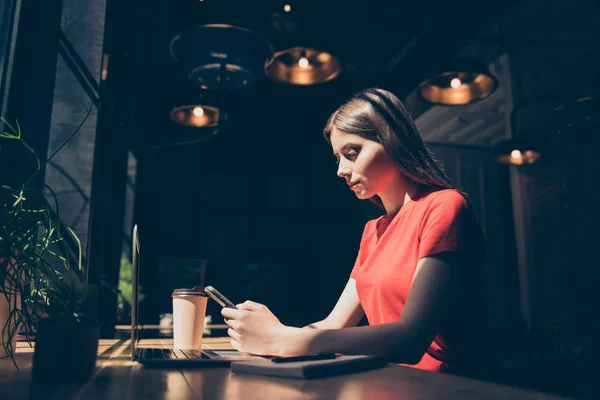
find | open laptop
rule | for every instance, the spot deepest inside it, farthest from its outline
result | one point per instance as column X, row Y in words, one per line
column 166, row 357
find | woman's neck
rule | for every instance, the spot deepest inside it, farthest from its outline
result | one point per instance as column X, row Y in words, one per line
column 397, row 195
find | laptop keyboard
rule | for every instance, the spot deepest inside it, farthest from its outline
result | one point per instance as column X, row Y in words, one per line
column 147, row 353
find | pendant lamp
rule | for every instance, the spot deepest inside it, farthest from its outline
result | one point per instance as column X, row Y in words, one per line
column 300, row 61
column 515, row 152
column 303, row 66
column 219, row 56
column 196, row 115
column 195, row 108
column 460, row 82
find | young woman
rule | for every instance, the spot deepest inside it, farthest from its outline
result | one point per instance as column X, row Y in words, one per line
column 416, row 277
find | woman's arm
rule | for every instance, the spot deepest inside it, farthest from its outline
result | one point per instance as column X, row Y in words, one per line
column 346, row 313
column 255, row 329
column 404, row 341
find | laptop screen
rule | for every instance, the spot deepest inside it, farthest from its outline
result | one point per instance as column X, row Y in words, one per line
column 135, row 279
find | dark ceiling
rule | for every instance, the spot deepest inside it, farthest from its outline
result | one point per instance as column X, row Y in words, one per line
column 387, row 44
column 371, row 36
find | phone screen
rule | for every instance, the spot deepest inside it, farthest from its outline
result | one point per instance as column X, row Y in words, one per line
column 218, row 297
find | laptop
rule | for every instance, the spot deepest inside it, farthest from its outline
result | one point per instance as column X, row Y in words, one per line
column 166, row 357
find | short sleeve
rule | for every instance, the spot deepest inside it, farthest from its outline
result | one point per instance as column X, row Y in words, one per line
column 363, row 250
column 441, row 228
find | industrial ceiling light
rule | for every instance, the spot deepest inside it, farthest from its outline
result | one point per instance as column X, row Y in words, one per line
column 462, row 82
column 196, row 115
column 218, row 58
column 514, row 152
column 221, row 57
column 303, row 66
column 200, row 113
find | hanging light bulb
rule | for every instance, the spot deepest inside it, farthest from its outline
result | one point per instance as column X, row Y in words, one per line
column 516, row 154
column 303, row 62
column 198, row 111
column 287, row 8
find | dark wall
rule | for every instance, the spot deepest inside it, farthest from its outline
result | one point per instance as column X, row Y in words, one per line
column 473, row 170
column 558, row 52
column 558, row 214
column 265, row 191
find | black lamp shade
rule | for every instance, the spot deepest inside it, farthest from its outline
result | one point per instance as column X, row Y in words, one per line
column 221, row 56
column 514, row 152
column 196, row 115
column 463, row 81
column 303, row 66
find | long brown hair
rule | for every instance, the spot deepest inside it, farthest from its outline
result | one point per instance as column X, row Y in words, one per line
column 378, row 115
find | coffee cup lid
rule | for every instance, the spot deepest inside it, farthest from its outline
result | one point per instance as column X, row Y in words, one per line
column 194, row 291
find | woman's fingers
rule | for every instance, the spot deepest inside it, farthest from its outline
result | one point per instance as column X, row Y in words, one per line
column 250, row 306
column 233, row 324
column 233, row 334
column 236, row 345
column 231, row 313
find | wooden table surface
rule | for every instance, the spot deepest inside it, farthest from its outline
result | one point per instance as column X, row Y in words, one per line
column 117, row 377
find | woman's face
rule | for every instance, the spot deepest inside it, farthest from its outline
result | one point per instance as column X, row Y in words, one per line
column 364, row 164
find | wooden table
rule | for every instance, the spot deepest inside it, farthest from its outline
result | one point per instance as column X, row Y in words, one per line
column 117, row 377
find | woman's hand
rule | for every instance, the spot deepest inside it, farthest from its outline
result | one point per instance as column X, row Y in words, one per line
column 254, row 329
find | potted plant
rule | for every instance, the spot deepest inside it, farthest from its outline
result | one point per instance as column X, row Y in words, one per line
column 67, row 339
column 34, row 257
column 30, row 246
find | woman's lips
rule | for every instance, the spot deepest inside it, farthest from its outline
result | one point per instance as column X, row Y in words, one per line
column 353, row 185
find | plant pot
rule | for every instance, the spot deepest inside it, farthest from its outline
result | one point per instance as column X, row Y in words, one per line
column 5, row 310
column 65, row 351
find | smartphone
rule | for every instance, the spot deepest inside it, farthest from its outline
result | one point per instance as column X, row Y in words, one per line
column 218, row 297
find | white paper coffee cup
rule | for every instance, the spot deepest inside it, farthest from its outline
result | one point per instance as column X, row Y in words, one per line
column 189, row 310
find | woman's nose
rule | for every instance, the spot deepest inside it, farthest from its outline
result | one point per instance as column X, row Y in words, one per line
column 343, row 170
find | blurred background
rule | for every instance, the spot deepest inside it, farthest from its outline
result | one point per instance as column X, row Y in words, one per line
column 201, row 121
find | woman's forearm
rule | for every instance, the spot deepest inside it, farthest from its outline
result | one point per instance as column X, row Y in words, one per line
column 389, row 340
column 323, row 324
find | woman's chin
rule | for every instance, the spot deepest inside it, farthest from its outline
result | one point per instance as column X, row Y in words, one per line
column 362, row 195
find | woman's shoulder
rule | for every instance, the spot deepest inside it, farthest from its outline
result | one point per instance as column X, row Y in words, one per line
column 448, row 199
column 372, row 223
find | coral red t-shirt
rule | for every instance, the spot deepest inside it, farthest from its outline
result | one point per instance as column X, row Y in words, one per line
column 438, row 221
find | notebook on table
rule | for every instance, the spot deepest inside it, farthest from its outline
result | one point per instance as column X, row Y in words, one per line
column 339, row 365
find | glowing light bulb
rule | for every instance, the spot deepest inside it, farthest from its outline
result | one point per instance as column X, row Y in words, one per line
column 303, row 62
column 287, row 8
column 515, row 154
column 198, row 111
column 455, row 83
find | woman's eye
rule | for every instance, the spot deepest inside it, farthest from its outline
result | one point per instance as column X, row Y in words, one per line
column 352, row 153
